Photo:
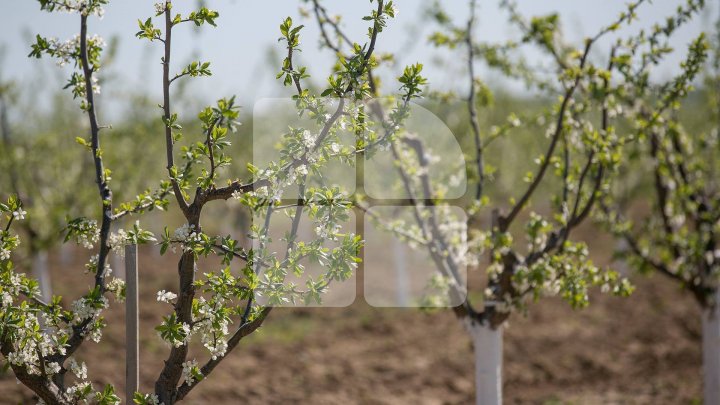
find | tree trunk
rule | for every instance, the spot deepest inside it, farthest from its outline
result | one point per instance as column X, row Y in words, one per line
column 66, row 253
column 711, row 352
column 167, row 382
column 488, row 346
column 402, row 284
column 42, row 274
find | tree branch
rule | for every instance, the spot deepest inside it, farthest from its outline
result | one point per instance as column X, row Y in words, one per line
column 169, row 142
column 471, row 101
column 505, row 221
column 244, row 330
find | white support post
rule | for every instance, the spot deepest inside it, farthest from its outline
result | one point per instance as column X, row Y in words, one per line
column 132, row 357
column 42, row 274
column 711, row 352
column 488, row 347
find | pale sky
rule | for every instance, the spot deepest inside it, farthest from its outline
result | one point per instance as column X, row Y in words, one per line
column 239, row 48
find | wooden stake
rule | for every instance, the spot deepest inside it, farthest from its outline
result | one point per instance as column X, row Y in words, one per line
column 711, row 352
column 132, row 357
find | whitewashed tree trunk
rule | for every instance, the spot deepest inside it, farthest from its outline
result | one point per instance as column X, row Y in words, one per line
column 488, row 347
column 711, row 352
column 66, row 253
column 402, row 283
column 41, row 272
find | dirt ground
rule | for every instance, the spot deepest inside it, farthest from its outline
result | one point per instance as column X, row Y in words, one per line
column 639, row 350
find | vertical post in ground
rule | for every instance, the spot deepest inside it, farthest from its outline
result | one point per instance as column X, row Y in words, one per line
column 132, row 356
column 117, row 265
column 711, row 352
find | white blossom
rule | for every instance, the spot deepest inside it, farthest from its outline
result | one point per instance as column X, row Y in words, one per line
column 79, row 369
column 455, row 180
column 186, row 235
column 96, row 335
column 117, row 286
column 6, row 299
column 19, row 214
column 212, row 331
column 165, row 296
column 709, row 257
column 187, row 371
column 65, row 51
column 52, row 368
column 95, row 85
column 87, row 234
column 151, row 399
column 302, row 170
column 79, row 387
column 83, row 309
column 117, row 242
column 159, row 8
column 308, row 139
column 183, row 232
column 74, row 6
column 27, row 349
column 261, row 192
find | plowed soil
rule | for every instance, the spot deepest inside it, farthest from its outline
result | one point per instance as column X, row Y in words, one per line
column 639, row 350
